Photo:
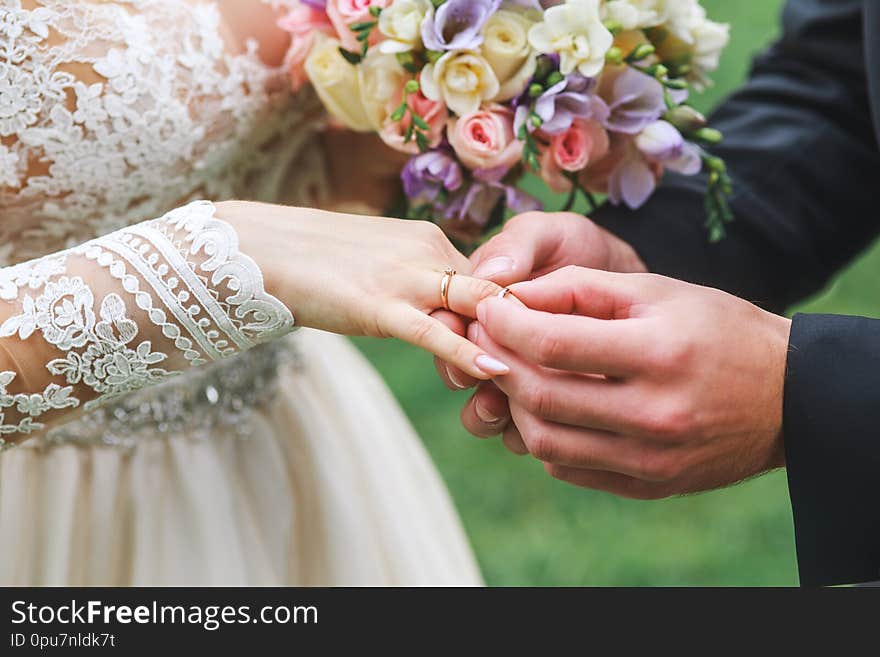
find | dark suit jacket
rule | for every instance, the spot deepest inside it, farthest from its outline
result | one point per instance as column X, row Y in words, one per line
column 801, row 141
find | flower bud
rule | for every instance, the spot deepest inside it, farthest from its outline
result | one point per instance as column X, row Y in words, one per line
column 686, row 118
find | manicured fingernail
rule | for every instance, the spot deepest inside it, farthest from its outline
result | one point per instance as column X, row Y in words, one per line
column 450, row 374
column 484, row 414
column 494, row 266
column 473, row 332
column 491, row 365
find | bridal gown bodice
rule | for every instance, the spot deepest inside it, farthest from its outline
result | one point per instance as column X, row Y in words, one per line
column 190, row 458
column 116, row 112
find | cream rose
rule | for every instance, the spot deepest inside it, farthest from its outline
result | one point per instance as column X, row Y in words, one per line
column 381, row 82
column 338, row 84
column 575, row 31
column 401, row 23
column 506, row 47
column 462, row 80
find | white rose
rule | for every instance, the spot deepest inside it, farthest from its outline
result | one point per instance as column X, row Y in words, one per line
column 338, row 84
column 461, row 79
column 402, row 24
column 506, row 47
column 634, row 14
column 575, row 31
column 381, row 80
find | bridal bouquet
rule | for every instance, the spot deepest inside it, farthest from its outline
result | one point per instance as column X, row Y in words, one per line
column 590, row 95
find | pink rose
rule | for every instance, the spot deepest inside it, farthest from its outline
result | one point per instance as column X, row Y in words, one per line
column 344, row 13
column 434, row 113
column 572, row 151
column 304, row 23
column 303, row 19
column 485, row 139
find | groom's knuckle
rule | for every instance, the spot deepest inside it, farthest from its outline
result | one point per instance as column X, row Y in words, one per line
column 541, row 444
column 548, row 349
column 538, row 399
column 667, row 419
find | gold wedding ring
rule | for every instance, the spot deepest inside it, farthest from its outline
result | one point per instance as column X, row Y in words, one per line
column 504, row 293
column 444, row 286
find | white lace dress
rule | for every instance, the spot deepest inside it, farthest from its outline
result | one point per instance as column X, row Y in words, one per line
column 183, row 461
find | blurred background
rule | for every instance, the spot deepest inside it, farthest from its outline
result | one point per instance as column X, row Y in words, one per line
column 530, row 530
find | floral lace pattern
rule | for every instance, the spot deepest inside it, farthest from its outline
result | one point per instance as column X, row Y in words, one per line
column 193, row 272
column 167, row 114
column 173, row 117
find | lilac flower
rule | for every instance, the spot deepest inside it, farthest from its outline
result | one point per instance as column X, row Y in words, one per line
column 636, row 100
column 458, row 24
column 663, row 143
column 472, row 206
column 569, row 99
column 427, row 174
column 659, row 146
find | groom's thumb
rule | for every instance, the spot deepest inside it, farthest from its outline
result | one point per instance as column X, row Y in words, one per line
column 509, row 257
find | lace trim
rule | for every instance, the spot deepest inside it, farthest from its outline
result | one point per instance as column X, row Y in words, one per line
column 188, row 259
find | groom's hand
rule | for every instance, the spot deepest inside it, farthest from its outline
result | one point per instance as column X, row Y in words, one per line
column 640, row 385
column 531, row 245
column 537, row 243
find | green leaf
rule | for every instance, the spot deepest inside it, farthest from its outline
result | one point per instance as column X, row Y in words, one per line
column 363, row 26
column 409, row 134
column 399, row 113
column 351, row 57
column 422, row 142
column 420, row 122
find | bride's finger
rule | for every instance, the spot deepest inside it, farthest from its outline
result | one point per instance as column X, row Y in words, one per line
column 465, row 293
column 415, row 327
column 453, row 377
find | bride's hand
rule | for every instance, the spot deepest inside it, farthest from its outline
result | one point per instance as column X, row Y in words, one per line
column 358, row 275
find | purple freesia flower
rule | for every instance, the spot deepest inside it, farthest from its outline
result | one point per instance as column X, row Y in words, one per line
column 636, row 101
column 662, row 142
column 571, row 98
column 458, row 24
column 659, row 146
column 473, row 205
column 427, row 174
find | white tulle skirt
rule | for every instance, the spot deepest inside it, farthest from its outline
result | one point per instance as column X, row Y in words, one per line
column 331, row 487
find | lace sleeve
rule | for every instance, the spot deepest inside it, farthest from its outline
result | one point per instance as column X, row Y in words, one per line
column 125, row 311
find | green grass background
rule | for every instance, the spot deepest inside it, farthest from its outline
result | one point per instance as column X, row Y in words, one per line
column 528, row 529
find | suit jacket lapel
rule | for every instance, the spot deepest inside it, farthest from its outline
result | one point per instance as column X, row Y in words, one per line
column 872, row 54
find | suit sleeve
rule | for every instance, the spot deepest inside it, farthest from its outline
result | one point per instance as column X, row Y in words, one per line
column 803, row 155
column 833, row 447
column 804, row 158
